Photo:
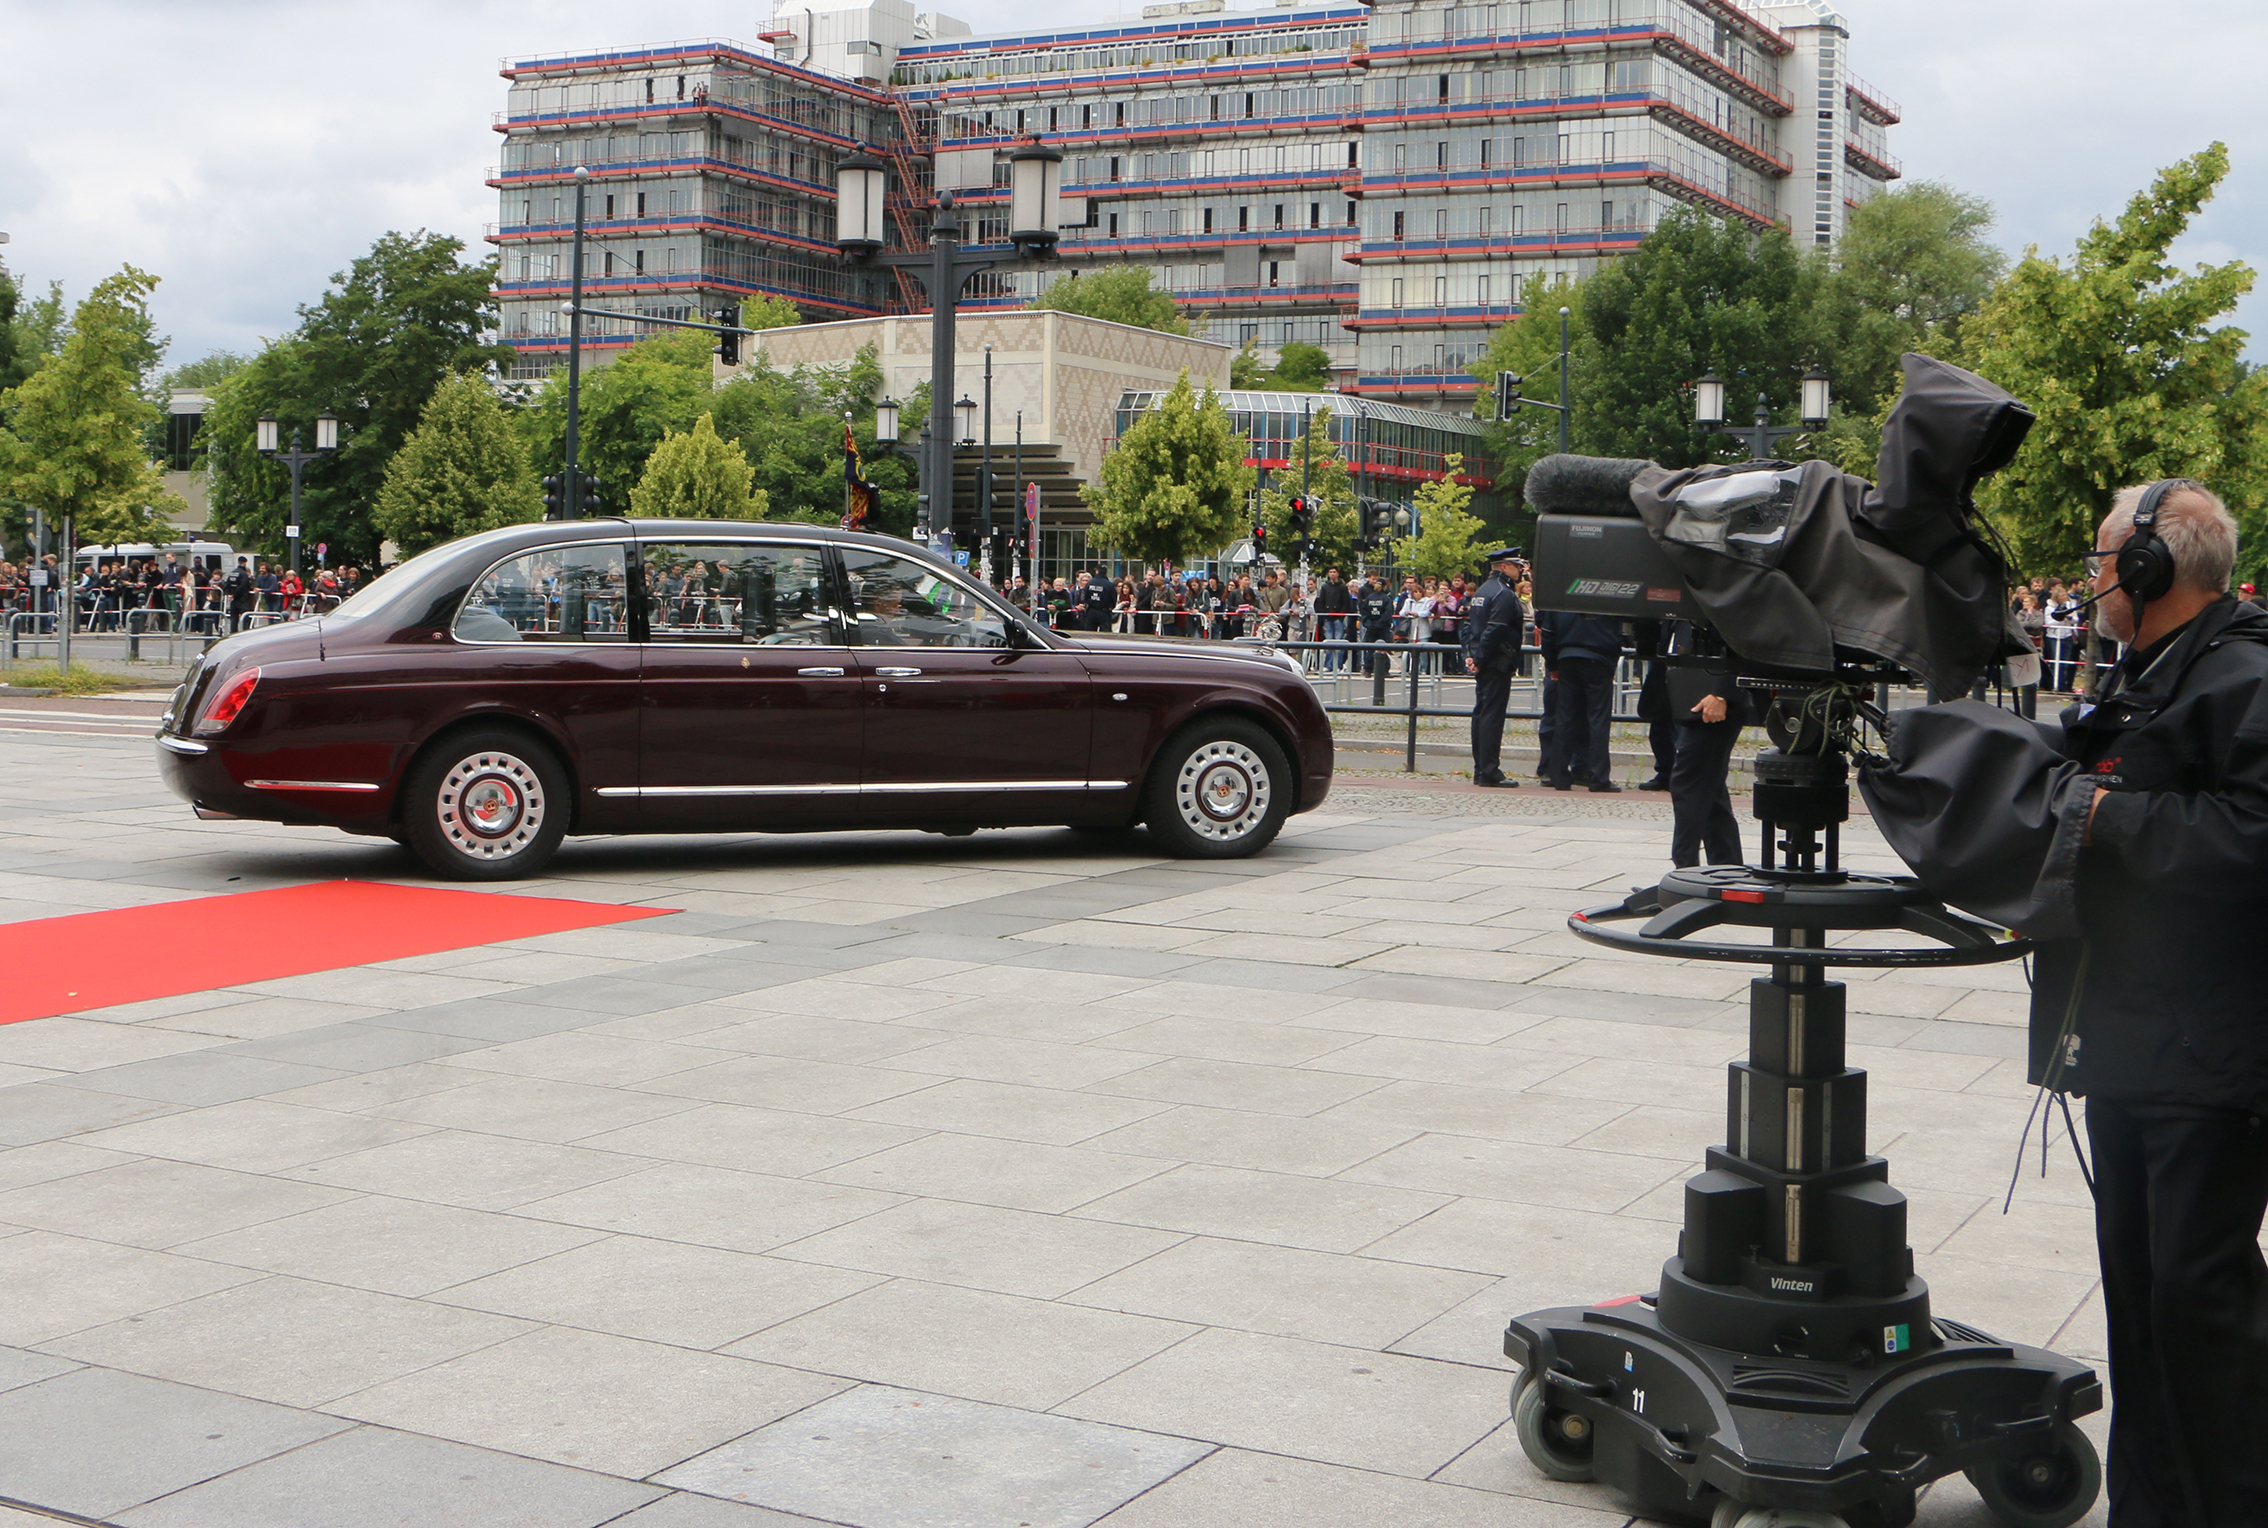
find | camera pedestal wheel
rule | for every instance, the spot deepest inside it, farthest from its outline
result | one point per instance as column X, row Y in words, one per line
column 1789, row 1372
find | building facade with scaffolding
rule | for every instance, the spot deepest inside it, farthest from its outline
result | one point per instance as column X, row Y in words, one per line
column 1379, row 180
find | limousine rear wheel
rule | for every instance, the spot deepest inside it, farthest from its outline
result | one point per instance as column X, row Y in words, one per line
column 489, row 805
column 1219, row 790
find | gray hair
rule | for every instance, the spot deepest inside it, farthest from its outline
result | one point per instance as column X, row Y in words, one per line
column 2195, row 526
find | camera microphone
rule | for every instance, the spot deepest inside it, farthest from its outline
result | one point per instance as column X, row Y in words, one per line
column 1583, row 485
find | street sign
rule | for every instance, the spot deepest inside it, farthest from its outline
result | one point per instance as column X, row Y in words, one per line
column 960, row 559
column 39, row 578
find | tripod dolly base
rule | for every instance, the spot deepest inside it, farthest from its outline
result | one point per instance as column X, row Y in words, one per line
column 1789, row 1372
column 1689, row 1431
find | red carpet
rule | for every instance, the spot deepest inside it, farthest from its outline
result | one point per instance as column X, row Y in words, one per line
column 92, row 960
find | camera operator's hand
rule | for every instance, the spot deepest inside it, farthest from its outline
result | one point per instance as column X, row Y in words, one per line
column 1471, row 667
column 1710, row 708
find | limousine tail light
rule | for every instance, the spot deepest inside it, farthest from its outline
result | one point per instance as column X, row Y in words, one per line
column 228, row 703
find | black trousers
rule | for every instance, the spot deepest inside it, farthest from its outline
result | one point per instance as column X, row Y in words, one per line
column 1661, row 727
column 1492, row 691
column 1547, row 729
column 2179, row 1194
column 1702, row 820
column 1583, row 715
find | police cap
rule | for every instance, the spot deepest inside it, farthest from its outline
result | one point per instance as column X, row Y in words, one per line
column 1505, row 554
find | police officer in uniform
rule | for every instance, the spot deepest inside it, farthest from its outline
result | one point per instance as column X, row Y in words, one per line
column 1494, row 623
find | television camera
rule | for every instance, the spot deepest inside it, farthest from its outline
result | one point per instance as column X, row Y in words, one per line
column 1789, row 1369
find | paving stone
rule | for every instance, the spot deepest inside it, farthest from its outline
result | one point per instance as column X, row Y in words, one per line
column 884, row 1458
column 203, row 1077
column 287, row 1340
column 1017, row 1352
column 96, row 1442
column 696, row 1297
column 1270, row 1491
column 19, row 1367
column 157, row 1204
column 370, row 1477
column 393, row 1246
column 980, row 1247
column 597, row 1402
column 1310, row 1400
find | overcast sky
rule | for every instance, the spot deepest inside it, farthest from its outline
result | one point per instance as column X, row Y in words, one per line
column 244, row 150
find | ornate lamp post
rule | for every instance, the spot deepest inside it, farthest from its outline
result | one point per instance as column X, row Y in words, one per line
column 1763, row 435
column 1035, row 199
column 326, row 444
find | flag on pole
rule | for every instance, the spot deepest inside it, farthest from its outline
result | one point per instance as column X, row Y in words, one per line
column 858, row 493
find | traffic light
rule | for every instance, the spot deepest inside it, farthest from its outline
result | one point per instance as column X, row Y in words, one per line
column 1259, row 540
column 1302, row 514
column 594, row 502
column 728, row 343
column 554, row 498
column 1507, row 394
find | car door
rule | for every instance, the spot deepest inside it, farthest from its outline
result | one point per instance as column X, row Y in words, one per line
column 749, row 703
column 543, row 634
column 968, row 717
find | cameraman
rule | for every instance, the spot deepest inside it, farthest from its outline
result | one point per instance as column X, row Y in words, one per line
column 2157, row 1014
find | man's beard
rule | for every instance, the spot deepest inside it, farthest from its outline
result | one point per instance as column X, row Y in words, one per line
column 2102, row 624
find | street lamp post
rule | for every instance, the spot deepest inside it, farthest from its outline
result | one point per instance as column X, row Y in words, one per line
column 1035, row 210
column 572, row 491
column 1763, row 435
column 326, row 444
column 984, row 480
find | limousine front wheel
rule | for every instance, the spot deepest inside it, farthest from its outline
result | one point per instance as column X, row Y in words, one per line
column 1219, row 790
column 485, row 806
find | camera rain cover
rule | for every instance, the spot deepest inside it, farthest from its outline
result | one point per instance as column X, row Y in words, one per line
column 1744, row 515
column 1790, row 564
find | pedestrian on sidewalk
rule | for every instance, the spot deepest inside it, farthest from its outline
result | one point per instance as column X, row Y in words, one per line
column 1580, row 653
column 1710, row 712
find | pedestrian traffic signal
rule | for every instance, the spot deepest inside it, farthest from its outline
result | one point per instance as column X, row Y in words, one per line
column 593, row 499
column 1375, row 523
column 1259, row 539
column 1507, row 394
column 1302, row 513
column 554, row 498
column 728, row 342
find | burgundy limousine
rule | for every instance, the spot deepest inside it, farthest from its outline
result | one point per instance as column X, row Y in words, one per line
column 489, row 697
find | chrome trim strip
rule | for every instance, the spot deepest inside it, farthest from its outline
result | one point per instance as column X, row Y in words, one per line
column 310, row 785
column 182, row 745
column 910, row 788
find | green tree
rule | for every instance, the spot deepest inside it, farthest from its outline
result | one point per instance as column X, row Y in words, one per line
column 206, row 371
column 790, row 426
column 73, row 442
column 2117, row 355
column 1245, row 373
column 696, row 475
column 463, row 469
column 1302, row 368
column 1912, row 266
column 371, row 350
column 1176, row 484
column 654, row 389
column 1122, row 294
column 1330, row 485
column 1528, row 347
column 19, row 354
column 1448, row 532
column 765, row 311
column 1699, row 294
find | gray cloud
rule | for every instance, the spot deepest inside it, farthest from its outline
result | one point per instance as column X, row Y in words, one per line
column 246, row 149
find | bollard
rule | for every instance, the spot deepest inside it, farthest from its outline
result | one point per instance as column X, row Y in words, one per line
column 1378, row 676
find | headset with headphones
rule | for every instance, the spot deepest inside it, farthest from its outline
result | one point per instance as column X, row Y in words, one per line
column 2145, row 563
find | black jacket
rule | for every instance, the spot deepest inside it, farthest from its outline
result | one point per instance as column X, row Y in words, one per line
column 1493, row 626
column 1333, row 598
column 1564, row 634
column 2149, row 930
column 2173, row 883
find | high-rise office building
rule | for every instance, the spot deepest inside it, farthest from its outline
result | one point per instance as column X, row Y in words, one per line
column 1379, row 180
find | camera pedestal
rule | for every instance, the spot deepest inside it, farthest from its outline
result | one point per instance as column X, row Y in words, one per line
column 1790, row 1358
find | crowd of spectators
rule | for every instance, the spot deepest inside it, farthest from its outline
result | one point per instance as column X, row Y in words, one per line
column 205, row 595
column 1422, row 615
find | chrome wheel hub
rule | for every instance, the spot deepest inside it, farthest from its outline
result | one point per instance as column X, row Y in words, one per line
column 1223, row 790
column 490, row 806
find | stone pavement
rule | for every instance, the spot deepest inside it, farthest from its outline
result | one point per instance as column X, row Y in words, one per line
column 1020, row 1181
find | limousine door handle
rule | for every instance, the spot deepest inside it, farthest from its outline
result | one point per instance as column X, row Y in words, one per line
column 899, row 673
column 819, row 673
